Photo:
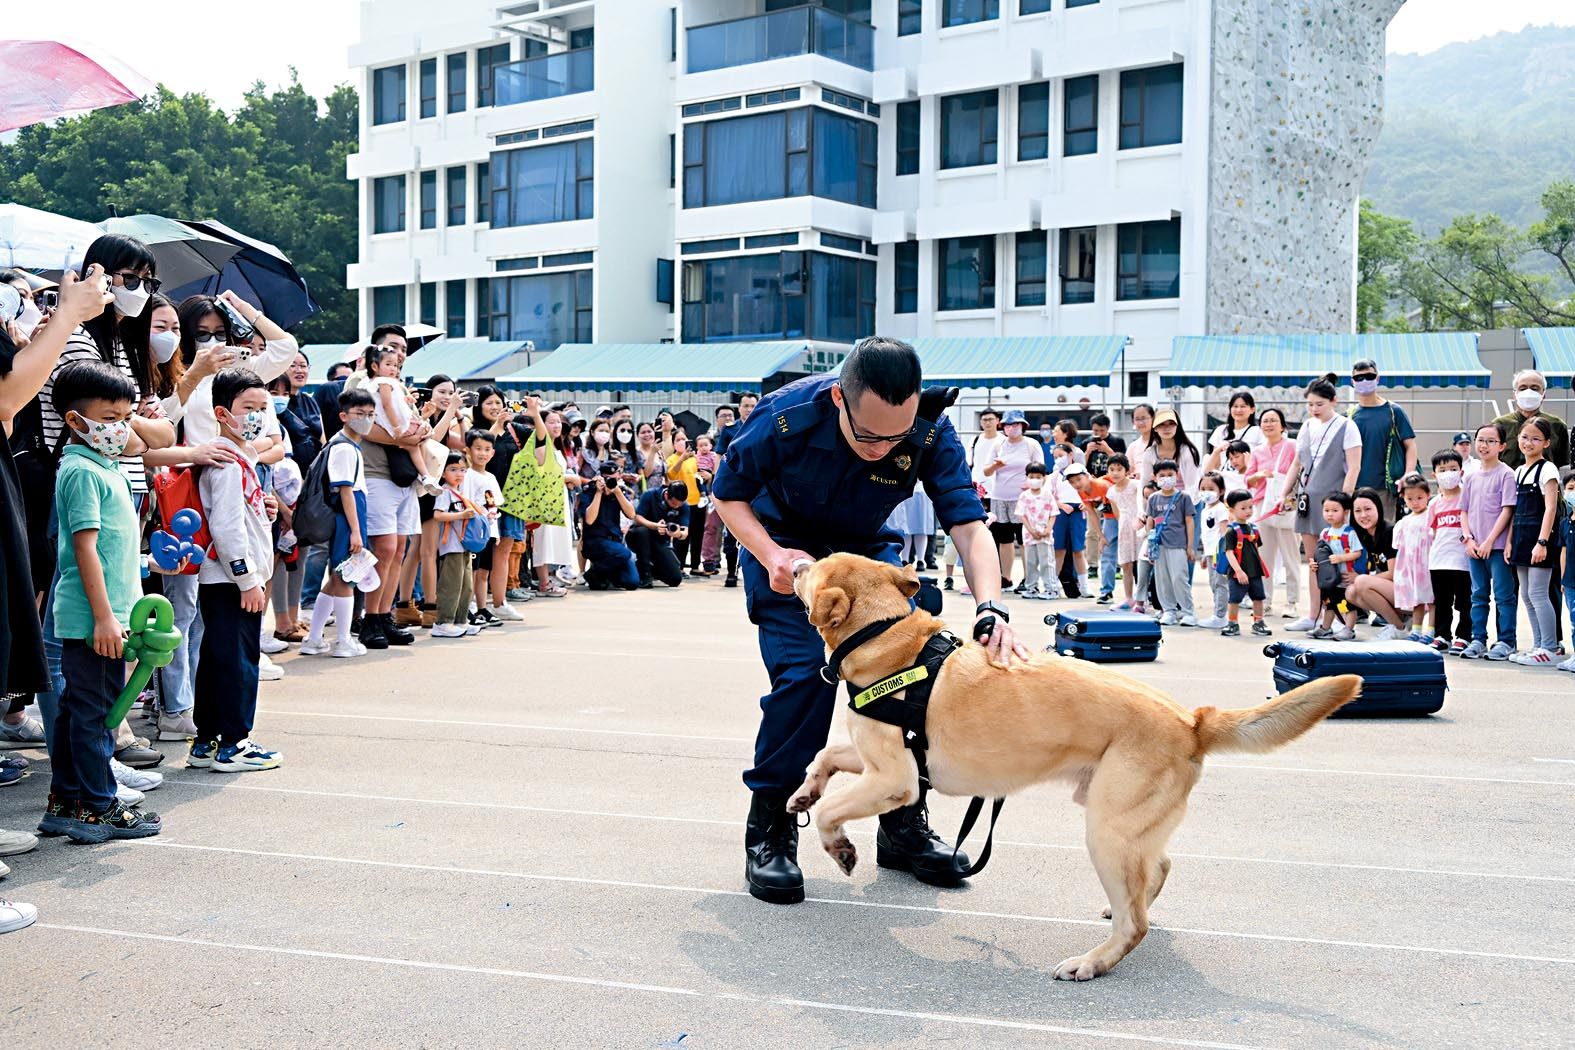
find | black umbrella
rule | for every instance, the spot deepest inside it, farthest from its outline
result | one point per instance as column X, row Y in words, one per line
column 257, row 272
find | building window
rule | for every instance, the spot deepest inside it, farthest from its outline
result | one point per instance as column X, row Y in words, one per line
column 1032, row 253
column 910, row 17
column 388, row 95
column 664, row 282
column 428, row 87
column 672, row 34
column 454, row 310
column 1137, row 384
column 548, row 309
column 1077, row 265
column 455, row 194
column 905, row 293
column 428, row 200
column 968, row 129
column 783, row 295
column 966, row 12
column 1080, row 3
column 388, row 305
column 543, row 184
column 484, row 194
column 768, row 156
column 429, row 303
column 907, row 138
column 488, row 59
column 456, row 83
column 388, row 204
column 1033, row 7
column 1148, row 260
column 967, row 273
column 1033, row 121
column 1151, row 107
column 483, row 306
column 1081, row 116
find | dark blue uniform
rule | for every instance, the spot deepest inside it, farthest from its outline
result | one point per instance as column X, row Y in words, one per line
column 790, row 462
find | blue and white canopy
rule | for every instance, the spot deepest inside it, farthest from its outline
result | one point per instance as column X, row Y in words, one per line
column 1434, row 359
column 462, row 359
column 1065, row 360
column 662, row 366
column 1553, row 349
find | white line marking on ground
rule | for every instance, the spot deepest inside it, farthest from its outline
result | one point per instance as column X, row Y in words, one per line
column 843, row 903
column 660, row 818
column 532, row 727
column 655, row 989
column 1571, row 761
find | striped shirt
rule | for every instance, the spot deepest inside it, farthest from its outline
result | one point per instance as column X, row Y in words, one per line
column 81, row 347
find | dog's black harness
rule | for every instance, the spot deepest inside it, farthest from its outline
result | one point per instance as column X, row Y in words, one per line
column 903, row 700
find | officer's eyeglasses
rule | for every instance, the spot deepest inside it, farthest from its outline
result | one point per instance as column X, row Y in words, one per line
column 865, row 438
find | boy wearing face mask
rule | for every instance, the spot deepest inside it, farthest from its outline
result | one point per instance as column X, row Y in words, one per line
column 1448, row 564
column 232, row 583
column 99, row 582
column 1038, row 510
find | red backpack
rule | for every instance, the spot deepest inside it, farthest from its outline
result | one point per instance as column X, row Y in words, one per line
column 174, row 490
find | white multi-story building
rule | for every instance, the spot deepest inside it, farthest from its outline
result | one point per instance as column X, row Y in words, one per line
column 633, row 171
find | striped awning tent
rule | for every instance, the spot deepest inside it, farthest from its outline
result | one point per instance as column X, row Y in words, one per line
column 1553, row 349
column 321, row 356
column 1432, row 359
column 662, row 366
column 1052, row 360
column 461, row 359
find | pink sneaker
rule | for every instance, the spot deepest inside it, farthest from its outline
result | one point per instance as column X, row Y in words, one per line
column 1140, row 607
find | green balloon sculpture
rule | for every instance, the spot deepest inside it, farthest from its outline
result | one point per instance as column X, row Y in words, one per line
column 152, row 643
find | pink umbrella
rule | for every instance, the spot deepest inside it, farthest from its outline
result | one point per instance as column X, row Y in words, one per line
column 45, row 79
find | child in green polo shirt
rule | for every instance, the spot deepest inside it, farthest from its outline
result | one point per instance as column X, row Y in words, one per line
column 98, row 550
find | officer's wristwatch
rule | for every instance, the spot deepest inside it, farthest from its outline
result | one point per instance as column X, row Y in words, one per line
column 994, row 608
column 986, row 615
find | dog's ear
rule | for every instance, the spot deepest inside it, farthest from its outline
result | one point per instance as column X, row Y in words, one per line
column 830, row 607
column 906, row 579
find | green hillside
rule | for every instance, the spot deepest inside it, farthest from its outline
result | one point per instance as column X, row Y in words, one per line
column 1481, row 126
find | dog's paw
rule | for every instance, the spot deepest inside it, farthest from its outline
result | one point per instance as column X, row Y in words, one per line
column 803, row 800
column 1078, row 968
column 843, row 852
column 1107, row 913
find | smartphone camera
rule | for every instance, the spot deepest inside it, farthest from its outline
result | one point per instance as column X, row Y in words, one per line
column 239, row 326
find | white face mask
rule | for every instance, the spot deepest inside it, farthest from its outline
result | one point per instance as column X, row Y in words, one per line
column 1060, row 461
column 624, row 436
column 1166, row 484
column 601, row 437
column 131, row 303
column 107, row 439
column 1036, row 483
column 1528, row 400
column 1211, row 497
column 1448, row 479
column 163, row 345
column 29, row 318
column 360, row 426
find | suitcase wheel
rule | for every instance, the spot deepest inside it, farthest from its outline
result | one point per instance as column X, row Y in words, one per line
column 1073, row 629
column 1304, row 660
column 1272, row 650
column 1052, row 619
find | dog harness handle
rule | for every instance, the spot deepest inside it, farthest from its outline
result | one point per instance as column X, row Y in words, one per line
column 969, row 819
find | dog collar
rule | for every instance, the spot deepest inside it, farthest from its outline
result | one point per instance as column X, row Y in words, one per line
column 832, row 672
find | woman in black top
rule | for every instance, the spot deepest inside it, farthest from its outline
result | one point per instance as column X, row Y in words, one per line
column 1374, row 590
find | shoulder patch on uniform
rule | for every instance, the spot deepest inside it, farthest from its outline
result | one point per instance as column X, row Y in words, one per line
column 798, row 418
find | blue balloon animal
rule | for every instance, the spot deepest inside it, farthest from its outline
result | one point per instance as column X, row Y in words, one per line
column 167, row 551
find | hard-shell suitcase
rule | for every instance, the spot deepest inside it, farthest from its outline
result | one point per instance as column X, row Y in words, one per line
column 1398, row 678
column 1105, row 636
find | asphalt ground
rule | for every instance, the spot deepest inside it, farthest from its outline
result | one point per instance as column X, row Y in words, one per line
column 533, row 838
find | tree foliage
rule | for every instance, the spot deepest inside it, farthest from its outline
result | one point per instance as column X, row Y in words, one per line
column 274, row 170
column 1480, row 271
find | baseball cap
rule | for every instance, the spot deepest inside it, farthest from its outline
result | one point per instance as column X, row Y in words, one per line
column 1072, row 470
column 1462, row 436
column 1014, row 415
column 1166, row 415
column 572, row 418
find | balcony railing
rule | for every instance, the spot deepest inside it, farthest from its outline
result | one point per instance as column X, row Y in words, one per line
column 546, row 76
column 781, row 34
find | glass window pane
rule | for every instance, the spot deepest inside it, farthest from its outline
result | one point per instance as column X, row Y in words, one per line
column 455, row 193
column 910, row 17
column 388, row 95
column 1077, row 265
column 1033, row 7
column 836, row 156
column 906, row 291
column 540, row 184
column 968, row 129
column 1031, row 268
column 456, row 83
column 547, row 309
column 967, row 273
column 742, row 159
column 907, row 138
column 388, row 304
column 429, row 87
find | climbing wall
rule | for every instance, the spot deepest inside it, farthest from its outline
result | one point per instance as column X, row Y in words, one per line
column 1297, row 108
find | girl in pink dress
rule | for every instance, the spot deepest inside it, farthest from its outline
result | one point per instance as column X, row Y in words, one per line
column 1413, row 542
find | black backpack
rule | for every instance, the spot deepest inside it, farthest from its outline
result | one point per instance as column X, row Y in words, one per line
column 314, row 511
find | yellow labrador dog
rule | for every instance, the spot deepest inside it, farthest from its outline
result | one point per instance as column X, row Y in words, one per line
column 1133, row 753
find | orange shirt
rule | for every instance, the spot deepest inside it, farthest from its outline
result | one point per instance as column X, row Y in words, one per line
column 1094, row 497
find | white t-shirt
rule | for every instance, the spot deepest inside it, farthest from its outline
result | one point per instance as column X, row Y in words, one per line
column 1252, row 436
column 1215, row 517
column 982, row 455
column 481, row 488
column 1315, row 431
column 344, row 465
column 1009, row 480
column 1448, row 550
column 400, row 419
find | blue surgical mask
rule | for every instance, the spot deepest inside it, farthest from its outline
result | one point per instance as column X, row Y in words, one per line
column 280, row 404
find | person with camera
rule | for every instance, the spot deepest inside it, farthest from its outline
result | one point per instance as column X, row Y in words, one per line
column 609, row 562
column 660, row 518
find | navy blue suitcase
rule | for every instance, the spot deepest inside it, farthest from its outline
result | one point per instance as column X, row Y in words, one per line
column 1105, row 636
column 1398, row 678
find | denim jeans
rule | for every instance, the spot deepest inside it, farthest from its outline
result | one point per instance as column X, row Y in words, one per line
column 1496, row 577
column 316, row 568
column 49, row 703
column 179, row 677
column 1110, row 532
column 79, row 767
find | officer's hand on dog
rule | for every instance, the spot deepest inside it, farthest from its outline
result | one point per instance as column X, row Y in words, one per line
column 1002, row 644
column 781, row 567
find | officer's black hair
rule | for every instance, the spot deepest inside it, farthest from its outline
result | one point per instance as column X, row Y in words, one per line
column 886, row 367
column 231, row 383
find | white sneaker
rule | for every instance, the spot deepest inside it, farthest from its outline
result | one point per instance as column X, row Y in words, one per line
column 506, row 612
column 342, row 651
column 1536, row 658
column 14, row 842
column 1306, row 623
column 1391, row 633
column 1167, row 620
column 270, row 644
column 267, row 670
column 136, row 779
column 471, row 630
column 355, row 643
column 321, row 647
column 1568, row 665
column 128, row 796
column 1188, row 621
column 1345, row 634
column 1213, row 623
column 448, row 630
column 15, row 916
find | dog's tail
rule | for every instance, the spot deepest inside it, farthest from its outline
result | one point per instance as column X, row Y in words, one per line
column 1276, row 723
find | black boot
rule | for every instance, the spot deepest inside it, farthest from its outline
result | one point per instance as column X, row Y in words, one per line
column 905, row 842
column 372, row 631
column 771, row 851
column 395, row 634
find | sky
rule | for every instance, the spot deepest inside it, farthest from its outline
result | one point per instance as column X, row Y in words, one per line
column 189, row 47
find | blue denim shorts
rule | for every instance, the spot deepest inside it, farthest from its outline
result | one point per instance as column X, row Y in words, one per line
column 511, row 528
